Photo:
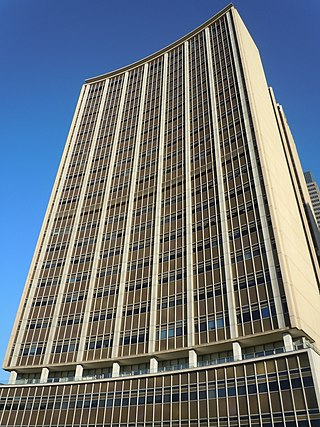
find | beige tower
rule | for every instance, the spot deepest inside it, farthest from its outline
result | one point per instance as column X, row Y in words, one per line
column 314, row 194
column 175, row 281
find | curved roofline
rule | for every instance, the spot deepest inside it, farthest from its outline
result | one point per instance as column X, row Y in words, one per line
column 161, row 51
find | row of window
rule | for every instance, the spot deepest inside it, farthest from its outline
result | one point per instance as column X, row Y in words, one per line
column 209, row 325
column 255, row 313
column 82, row 402
column 66, row 347
column 171, row 331
column 215, row 263
column 33, row 350
column 135, row 338
column 248, row 282
column 247, row 254
column 98, row 343
column 172, row 276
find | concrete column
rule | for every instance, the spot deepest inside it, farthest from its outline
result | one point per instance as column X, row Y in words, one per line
column 287, row 342
column 44, row 375
column 78, row 210
column 13, row 377
column 79, row 372
column 237, row 351
column 188, row 201
column 193, row 359
column 127, row 237
column 157, row 219
column 109, row 176
column 153, row 365
column 221, row 194
column 115, row 369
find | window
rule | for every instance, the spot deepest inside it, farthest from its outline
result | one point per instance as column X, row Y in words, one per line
column 173, row 330
column 209, row 325
column 33, row 350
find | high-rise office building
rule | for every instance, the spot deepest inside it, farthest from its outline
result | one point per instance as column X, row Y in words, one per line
column 314, row 194
column 175, row 280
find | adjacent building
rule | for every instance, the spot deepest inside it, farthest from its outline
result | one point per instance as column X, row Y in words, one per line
column 314, row 194
column 175, row 281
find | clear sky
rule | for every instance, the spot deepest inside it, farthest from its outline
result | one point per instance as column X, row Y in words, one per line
column 49, row 47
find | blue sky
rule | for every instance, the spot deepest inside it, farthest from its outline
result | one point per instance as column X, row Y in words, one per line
column 47, row 50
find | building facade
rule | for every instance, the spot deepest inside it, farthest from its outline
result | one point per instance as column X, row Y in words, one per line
column 314, row 194
column 175, row 280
